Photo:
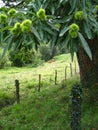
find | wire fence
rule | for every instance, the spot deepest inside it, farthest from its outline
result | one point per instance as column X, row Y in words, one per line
column 15, row 81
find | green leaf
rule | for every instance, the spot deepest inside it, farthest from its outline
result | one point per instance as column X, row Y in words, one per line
column 48, row 30
column 5, row 28
column 65, row 19
column 35, row 32
column 66, row 41
column 7, row 47
column 87, row 31
column 84, row 5
column 65, row 29
column 85, row 45
column 52, row 10
column 52, row 26
column 73, row 5
column 93, row 21
column 7, row 37
column 54, row 39
column 1, row 37
column 72, row 48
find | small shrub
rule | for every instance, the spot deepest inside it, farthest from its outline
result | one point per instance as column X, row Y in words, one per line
column 21, row 57
column 36, row 60
column 47, row 52
column 24, row 57
column 4, row 61
column 76, row 94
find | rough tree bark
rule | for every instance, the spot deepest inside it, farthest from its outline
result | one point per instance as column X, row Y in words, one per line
column 88, row 68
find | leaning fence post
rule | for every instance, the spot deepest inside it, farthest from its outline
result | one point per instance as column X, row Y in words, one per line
column 71, row 69
column 55, row 77
column 39, row 85
column 17, row 91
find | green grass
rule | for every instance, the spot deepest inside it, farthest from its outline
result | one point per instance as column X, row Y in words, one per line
column 66, row 58
column 6, row 99
column 45, row 110
column 29, row 75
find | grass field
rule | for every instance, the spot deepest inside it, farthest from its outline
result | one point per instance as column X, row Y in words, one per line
column 26, row 74
column 45, row 110
column 29, row 77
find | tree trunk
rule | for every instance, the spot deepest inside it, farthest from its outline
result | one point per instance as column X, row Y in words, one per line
column 88, row 68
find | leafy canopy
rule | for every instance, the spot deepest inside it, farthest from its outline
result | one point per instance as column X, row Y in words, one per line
column 65, row 23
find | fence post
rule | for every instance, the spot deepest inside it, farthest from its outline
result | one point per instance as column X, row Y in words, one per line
column 39, row 85
column 65, row 72
column 71, row 69
column 55, row 77
column 17, row 91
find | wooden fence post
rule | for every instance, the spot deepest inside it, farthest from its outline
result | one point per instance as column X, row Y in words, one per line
column 17, row 91
column 65, row 72
column 71, row 69
column 55, row 77
column 39, row 85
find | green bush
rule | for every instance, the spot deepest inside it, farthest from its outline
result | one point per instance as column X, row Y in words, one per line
column 4, row 61
column 36, row 61
column 24, row 57
column 21, row 57
column 76, row 94
column 47, row 52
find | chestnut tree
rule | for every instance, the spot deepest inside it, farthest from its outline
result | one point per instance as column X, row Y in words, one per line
column 65, row 23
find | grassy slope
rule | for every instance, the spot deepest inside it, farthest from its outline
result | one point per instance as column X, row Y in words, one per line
column 7, row 76
column 28, row 77
column 47, row 110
